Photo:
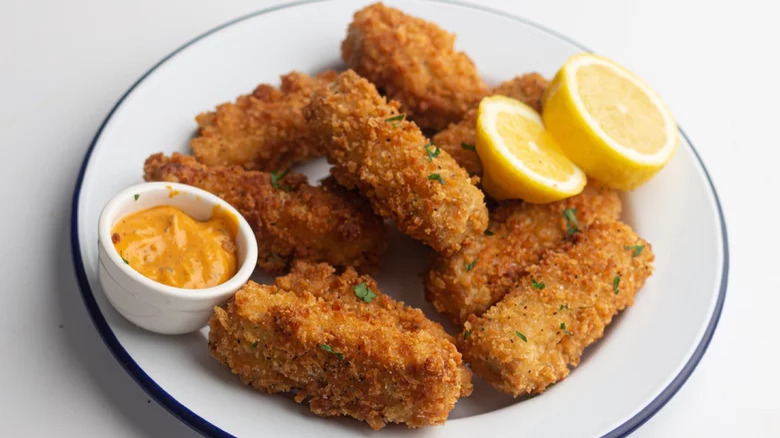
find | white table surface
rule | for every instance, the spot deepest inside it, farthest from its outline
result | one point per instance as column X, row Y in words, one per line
column 63, row 65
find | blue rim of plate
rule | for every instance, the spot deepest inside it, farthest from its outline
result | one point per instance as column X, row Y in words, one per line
column 202, row 425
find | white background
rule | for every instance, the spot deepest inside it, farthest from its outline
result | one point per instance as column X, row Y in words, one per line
column 63, row 65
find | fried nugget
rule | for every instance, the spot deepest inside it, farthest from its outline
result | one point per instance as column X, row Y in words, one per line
column 264, row 130
column 488, row 266
column 529, row 339
column 290, row 218
column 345, row 346
column 388, row 159
column 459, row 138
column 414, row 62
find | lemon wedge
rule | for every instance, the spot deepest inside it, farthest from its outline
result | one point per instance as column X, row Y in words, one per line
column 519, row 158
column 609, row 122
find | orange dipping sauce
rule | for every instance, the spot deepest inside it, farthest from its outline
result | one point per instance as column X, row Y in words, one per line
column 168, row 246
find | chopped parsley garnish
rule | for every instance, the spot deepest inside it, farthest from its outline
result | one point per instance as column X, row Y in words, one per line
column 136, row 196
column 364, row 292
column 124, row 260
column 276, row 177
column 537, row 285
column 466, row 334
column 521, row 336
column 488, row 232
column 470, row 266
column 564, row 306
column 436, row 177
column 572, row 226
column 395, row 120
column 616, row 284
column 330, row 349
column 636, row 248
column 563, row 327
column 254, row 344
column 465, row 145
column 432, row 150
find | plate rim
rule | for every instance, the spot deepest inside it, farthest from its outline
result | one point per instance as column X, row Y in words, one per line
column 203, row 426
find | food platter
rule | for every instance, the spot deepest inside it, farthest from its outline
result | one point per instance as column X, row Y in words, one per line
column 646, row 355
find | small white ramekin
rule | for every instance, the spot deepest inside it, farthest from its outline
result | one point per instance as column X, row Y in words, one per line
column 155, row 306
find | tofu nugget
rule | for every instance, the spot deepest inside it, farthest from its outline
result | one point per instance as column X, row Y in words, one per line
column 489, row 266
column 528, row 340
column 388, row 159
column 459, row 137
column 290, row 218
column 414, row 62
column 264, row 130
column 347, row 348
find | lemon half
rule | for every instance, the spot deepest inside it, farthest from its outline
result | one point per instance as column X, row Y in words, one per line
column 519, row 157
column 609, row 122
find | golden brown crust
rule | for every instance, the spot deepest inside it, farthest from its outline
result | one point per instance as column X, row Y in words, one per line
column 521, row 233
column 561, row 318
column 388, row 162
column 414, row 62
column 527, row 88
column 379, row 362
column 293, row 221
column 264, row 130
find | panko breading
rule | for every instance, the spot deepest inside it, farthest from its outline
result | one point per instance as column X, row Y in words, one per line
column 379, row 361
column 528, row 340
column 414, row 62
column 459, row 138
column 264, row 130
column 528, row 88
column 388, row 159
column 290, row 218
column 489, row 266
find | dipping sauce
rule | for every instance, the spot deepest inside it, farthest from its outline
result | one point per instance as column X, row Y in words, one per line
column 168, row 246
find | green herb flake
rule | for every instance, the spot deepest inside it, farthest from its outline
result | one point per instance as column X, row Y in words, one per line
column 563, row 327
column 466, row 334
column 564, row 307
column 125, row 260
column 432, row 150
column 330, row 350
column 364, row 292
column 436, row 177
column 276, row 177
column 254, row 344
column 537, row 285
column 521, row 336
column 572, row 226
column 136, row 196
column 470, row 266
column 636, row 248
column 488, row 232
column 616, row 284
column 395, row 120
column 470, row 147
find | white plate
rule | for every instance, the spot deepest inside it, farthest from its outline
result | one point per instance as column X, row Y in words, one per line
column 647, row 354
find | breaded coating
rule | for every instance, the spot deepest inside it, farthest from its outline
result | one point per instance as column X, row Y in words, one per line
column 414, row 62
column 406, row 179
column 528, row 88
column 489, row 266
column 290, row 218
column 264, row 130
column 528, row 340
column 459, row 138
column 378, row 361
